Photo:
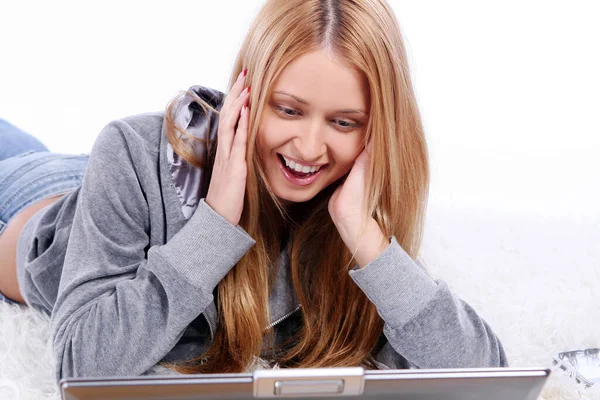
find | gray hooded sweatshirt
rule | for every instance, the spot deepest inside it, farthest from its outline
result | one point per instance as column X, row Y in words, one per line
column 128, row 263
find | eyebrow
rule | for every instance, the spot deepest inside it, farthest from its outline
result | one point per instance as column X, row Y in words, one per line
column 344, row 111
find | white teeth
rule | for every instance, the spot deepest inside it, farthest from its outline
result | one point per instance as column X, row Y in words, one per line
column 299, row 167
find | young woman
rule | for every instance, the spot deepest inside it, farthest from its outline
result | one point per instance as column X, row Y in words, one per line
column 278, row 224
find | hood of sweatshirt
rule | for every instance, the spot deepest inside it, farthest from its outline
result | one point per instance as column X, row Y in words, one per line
column 190, row 182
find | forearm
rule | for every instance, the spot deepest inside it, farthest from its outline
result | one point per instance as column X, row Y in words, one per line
column 114, row 316
column 424, row 322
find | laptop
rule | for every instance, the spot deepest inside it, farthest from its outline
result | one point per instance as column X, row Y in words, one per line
column 321, row 383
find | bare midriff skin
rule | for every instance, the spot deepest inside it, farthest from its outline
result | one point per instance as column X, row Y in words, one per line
column 9, row 285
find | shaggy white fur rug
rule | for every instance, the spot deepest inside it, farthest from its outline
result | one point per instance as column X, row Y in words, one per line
column 536, row 280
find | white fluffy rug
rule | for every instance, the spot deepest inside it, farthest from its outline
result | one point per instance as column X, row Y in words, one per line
column 535, row 280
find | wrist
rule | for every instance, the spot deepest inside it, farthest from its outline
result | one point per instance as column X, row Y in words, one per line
column 209, row 203
column 369, row 245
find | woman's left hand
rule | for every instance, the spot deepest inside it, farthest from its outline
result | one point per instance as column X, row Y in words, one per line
column 348, row 208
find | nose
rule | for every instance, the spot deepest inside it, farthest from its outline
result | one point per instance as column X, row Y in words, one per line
column 310, row 143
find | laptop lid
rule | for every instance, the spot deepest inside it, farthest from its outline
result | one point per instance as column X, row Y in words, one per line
column 322, row 383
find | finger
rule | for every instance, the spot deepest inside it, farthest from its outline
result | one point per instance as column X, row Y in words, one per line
column 334, row 207
column 238, row 150
column 235, row 91
column 356, row 178
column 227, row 125
column 362, row 158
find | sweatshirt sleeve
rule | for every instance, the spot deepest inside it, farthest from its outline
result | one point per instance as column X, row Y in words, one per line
column 123, row 303
column 423, row 322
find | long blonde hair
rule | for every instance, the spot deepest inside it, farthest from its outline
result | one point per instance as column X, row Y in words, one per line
column 341, row 327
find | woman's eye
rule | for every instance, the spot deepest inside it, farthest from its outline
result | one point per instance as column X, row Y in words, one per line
column 288, row 112
column 345, row 124
column 341, row 123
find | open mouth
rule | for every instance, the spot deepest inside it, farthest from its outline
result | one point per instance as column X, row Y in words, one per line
column 297, row 170
column 299, row 175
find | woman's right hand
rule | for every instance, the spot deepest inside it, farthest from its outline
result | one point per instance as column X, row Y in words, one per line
column 228, row 182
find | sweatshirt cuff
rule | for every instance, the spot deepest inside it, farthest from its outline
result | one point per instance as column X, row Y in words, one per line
column 397, row 286
column 206, row 248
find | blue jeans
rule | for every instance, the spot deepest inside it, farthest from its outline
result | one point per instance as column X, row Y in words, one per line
column 29, row 172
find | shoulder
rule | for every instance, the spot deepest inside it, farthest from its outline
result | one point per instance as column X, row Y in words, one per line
column 140, row 139
column 146, row 125
column 148, row 128
column 141, row 132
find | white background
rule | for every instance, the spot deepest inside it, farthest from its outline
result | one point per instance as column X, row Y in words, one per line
column 509, row 91
column 510, row 97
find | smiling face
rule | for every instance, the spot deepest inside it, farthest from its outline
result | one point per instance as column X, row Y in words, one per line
column 312, row 127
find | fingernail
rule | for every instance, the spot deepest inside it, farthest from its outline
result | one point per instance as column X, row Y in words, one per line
column 249, row 88
column 245, row 71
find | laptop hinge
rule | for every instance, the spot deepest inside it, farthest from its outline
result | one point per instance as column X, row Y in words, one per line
column 309, row 382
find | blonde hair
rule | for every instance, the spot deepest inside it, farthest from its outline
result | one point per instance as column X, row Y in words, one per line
column 341, row 327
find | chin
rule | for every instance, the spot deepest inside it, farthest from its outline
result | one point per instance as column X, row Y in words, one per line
column 287, row 196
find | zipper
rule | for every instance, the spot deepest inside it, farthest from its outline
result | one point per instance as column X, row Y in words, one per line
column 272, row 324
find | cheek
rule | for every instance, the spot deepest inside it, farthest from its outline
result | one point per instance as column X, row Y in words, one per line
column 263, row 138
column 346, row 151
column 270, row 135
